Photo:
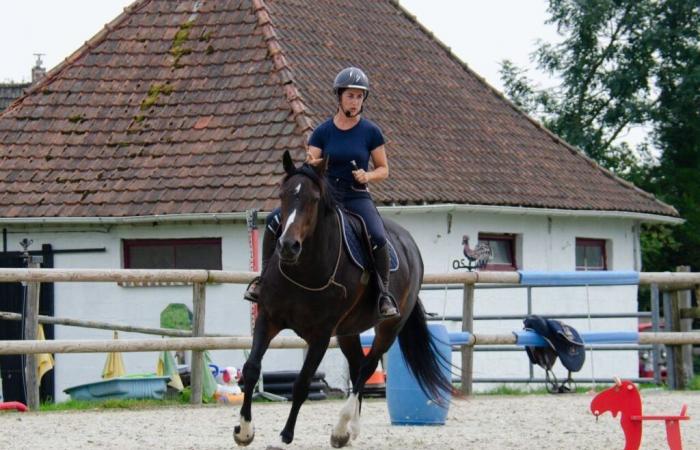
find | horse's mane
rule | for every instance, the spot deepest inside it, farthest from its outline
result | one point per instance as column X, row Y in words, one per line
column 329, row 202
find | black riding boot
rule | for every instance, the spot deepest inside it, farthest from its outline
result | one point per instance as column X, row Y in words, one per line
column 382, row 263
column 252, row 293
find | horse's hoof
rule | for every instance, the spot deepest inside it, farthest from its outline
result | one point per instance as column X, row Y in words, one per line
column 241, row 439
column 339, row 441
column 287, row 438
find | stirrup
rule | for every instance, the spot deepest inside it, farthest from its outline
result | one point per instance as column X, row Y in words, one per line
column 390, row 310
column 252, row 291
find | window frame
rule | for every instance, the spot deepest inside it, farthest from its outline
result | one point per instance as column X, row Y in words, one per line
column 508, row 237
column 592, row 242
column 127, row 244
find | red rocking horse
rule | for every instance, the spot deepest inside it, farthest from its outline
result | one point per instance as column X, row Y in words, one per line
column 624, row 398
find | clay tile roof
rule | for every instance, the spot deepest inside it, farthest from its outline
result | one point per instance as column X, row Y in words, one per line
column 186, row 107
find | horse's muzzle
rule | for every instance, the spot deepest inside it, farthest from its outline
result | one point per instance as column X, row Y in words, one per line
column 289, row 250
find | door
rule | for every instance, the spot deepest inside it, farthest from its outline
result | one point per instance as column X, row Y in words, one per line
column 11, row 300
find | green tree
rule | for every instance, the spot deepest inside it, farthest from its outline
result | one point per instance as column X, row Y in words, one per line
column 620, row 64
column 677, row 122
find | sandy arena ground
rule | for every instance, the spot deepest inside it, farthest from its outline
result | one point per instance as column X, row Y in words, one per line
column 480, row 422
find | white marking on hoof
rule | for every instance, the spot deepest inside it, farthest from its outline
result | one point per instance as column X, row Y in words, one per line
column 244, row 433
column 355, row 422
column 349, row 414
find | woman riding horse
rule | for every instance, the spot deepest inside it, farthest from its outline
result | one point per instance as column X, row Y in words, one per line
column 349, row 141
column 313, row 287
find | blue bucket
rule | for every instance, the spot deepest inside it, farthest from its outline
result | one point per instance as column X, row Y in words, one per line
column 408, row 404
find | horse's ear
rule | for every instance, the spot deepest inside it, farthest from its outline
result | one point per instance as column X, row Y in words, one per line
column 287, row 163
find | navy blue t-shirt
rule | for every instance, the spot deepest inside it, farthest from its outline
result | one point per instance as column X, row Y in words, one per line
column 343, row 146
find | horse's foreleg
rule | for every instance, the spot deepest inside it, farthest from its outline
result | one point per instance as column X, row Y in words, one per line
column 352, row 350
column 301, row 386
column 244, row 433
column 349, row 421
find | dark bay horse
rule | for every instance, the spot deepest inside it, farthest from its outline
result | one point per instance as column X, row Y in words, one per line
column 311, row 287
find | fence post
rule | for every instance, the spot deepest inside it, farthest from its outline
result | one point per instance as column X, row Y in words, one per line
column 31, row 325
column 655, row 327
column 199, row 306
column 466, row 350
column 682, row 354
column 671, row 375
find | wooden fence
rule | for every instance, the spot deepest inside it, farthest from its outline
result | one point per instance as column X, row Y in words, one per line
column 672, row 284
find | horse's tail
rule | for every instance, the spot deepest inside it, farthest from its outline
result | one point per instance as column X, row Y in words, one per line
column 422, row 356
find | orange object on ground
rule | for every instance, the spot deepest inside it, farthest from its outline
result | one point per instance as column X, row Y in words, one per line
column 624, row 398
column 19, row 406
column 378, row 377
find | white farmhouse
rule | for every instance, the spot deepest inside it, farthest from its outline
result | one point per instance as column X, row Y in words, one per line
column 148, row 144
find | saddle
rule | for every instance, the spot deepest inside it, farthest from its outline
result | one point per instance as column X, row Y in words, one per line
column 564, row 342
column 357, row 241
column 355, row 238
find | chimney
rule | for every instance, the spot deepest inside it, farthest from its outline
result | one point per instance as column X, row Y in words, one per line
column 38, row 71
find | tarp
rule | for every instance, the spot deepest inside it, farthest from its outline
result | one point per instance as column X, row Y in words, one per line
column 167, row 367
column 114, row 365
column 208, row 380
column 44, row 361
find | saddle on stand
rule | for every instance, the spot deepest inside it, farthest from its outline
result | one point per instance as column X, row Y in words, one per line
column 563, row 341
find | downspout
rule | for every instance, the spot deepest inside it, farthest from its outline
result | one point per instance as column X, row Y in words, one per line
column 636, row 245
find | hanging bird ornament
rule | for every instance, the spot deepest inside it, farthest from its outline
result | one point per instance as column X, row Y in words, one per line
column 477, row 258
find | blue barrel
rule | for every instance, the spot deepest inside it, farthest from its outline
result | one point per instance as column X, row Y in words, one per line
column 408, row 404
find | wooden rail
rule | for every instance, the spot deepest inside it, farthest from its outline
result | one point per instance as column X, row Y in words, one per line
column 662, row 279
column 668, row 281
column 244, row 342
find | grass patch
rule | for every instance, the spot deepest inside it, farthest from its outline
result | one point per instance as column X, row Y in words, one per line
column 694, row 384
column 581, row 389
column 83, row 405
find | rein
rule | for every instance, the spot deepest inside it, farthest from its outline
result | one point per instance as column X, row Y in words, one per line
column 331, row 280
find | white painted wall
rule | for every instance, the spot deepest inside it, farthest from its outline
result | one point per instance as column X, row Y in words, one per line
column 546, row 244
column 226, row 312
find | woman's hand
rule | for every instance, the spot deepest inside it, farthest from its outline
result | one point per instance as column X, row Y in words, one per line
column 311, row 160
column 361, row 176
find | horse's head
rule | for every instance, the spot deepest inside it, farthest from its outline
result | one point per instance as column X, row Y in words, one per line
column 305, row 196
column 622, row 397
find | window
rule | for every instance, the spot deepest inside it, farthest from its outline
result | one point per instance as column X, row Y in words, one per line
column 590, row 254
column 202, row 253
column 502, row 251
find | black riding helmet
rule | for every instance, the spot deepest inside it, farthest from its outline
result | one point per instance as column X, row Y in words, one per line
column 351, row 77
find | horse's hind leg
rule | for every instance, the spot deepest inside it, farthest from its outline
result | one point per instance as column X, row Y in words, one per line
column 300, row 391
column 244, row 433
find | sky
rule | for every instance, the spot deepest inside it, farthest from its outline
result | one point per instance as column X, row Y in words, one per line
column 480, row 32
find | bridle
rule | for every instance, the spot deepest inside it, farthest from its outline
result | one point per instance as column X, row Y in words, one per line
column 331, row 280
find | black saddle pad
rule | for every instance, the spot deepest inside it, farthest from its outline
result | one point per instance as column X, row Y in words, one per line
column 357, row 241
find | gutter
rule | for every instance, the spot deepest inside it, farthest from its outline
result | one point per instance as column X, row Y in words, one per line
column 392, row 210
column 158, row 218
column 525, row 211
